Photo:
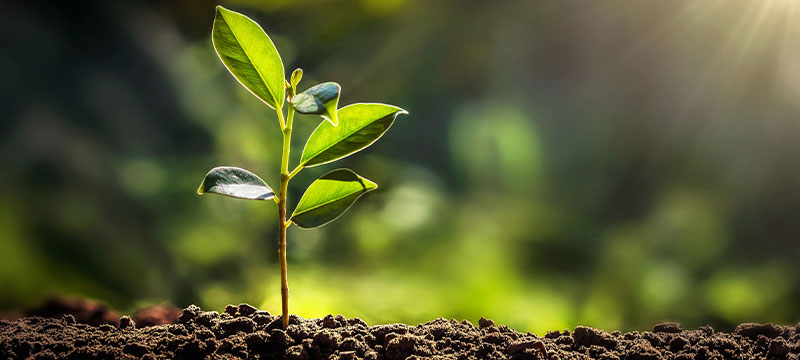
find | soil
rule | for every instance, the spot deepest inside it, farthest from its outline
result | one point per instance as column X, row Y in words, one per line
column 245, row 332
column 90, row 312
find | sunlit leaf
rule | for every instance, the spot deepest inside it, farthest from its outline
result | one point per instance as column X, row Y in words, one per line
column 235, row 182
column 297, row 75
column 360, row 126
column 321, row 99
column 329, row 197
column 249, row 55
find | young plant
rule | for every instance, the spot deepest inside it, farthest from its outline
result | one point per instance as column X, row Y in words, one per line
column 253, row 60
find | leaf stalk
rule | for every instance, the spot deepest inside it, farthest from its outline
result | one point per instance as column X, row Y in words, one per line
column 295, row 171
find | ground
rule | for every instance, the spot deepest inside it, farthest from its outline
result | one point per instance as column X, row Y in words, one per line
column 245, row 332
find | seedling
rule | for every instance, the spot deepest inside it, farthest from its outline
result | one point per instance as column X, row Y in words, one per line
column 248, row 53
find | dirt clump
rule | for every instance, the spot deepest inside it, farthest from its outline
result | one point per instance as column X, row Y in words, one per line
column 248, row 333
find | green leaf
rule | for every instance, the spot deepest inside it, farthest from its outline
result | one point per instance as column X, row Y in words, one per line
column 321, row 99
column 297, row 74
column 249, row 55
column 329, row 197
column 361, row 125
column 235, row 182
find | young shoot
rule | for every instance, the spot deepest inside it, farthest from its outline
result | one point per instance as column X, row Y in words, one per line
column 251, row 57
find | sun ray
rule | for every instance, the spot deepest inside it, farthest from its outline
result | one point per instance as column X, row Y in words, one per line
column 789, row 58
column 714, row 69
column 717, row 64
column 745, row 55
column 740, row 68
column 690, row 10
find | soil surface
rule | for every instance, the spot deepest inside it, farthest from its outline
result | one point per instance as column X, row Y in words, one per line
column 245, row 332
column 90, row 312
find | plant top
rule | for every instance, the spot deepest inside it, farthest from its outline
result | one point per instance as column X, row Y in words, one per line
column 251, row 57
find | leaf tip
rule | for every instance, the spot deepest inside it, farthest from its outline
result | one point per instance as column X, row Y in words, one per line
column 221, row 9
column 369, row 185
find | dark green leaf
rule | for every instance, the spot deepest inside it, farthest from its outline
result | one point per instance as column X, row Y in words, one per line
column 235, row 182
column 361, row 125
column 329, row 197
column 321, row 99
column 249, row 55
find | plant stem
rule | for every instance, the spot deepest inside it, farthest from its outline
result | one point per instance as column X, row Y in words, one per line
column 282, row 223
column 295, row 171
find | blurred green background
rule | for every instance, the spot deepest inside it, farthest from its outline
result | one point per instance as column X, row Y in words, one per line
column 612, row 163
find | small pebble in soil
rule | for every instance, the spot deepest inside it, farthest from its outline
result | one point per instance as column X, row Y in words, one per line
column 125, row 323
column 667, row 327
column 484, row 322
column 247, row 309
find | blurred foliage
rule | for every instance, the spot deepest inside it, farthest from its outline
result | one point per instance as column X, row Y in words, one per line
column 611, row 163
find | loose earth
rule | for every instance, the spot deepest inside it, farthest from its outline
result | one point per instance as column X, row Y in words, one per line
column 247, row 333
